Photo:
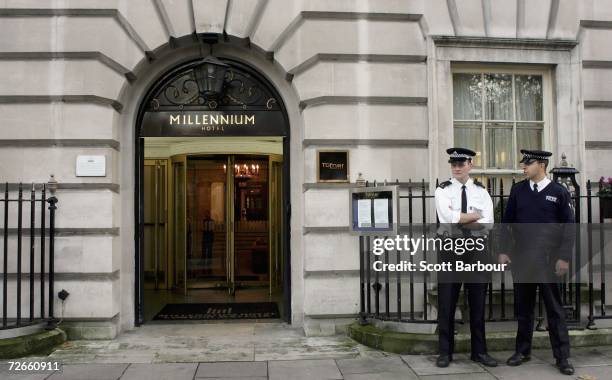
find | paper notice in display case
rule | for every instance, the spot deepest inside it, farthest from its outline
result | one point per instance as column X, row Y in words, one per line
column 91, row 166
column 381, row 212
column 374, row 210
column 364, row 213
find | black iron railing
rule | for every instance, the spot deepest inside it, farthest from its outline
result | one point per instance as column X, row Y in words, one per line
column 382, row 294
column 27, row 274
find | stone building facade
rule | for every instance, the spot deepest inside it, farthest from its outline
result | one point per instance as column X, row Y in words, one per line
column 372, row 77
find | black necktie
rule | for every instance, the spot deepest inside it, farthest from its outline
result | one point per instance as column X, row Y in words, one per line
column 463, row 200
column 535, row 187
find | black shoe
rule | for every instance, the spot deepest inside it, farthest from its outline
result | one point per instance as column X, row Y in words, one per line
column 565, row 367
column 484, row 359
column 517, row 359
column 443, row 361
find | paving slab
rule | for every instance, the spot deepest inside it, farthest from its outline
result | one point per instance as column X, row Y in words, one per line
column 381, row 376
column 232, row 369
column 460, row 376
column 165, row 371
column 89, row 372
column 548, row 372
column 579, row 357
column 502, row 356
column 303, row 370
column 373, row 365
column 595, row 372
column 234, row 378
column 5, row 373
column 426, row 365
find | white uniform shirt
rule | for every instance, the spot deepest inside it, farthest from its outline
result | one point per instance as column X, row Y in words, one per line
column 541, row 185
column 448, row 202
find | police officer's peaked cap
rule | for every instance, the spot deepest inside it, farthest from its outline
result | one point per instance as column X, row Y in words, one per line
column 534, row 155
column 459, row 154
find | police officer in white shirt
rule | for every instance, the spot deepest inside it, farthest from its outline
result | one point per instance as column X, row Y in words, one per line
column 464, row 201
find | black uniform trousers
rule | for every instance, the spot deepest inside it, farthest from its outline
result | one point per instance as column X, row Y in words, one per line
column 525, row 301
column 448, row 294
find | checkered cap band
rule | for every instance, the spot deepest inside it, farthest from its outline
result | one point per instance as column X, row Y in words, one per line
column 459, row 155
column 531, row 156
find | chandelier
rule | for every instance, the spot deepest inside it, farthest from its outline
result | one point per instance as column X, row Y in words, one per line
column 244, row 170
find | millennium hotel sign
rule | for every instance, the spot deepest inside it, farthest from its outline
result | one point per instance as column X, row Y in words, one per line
column 213, row 98
column 213, row 123
column 210, row 120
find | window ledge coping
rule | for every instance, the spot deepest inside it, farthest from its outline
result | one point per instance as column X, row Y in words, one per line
column 496, row 42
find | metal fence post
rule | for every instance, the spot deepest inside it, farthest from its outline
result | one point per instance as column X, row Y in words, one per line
column 362, row 255
column 32, row 240
column 5, row 267
column 591, row 321
column 51, row 322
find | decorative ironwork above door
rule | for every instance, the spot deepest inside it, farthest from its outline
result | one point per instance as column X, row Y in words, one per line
column 240, row 90
column 213, row 97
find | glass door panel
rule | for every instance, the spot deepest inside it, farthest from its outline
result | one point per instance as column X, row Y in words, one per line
column 155, row 226
column 276, row 221
column 227, row 221
column 179, row 175
column 207, row 235
column 251, row 220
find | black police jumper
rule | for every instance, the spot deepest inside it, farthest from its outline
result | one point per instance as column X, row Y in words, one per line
column 539, row 247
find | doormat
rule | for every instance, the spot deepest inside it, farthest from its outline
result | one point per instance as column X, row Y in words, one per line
column 216, row 311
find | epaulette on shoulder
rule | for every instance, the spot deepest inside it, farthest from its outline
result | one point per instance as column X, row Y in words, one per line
column 478, row 183
column 442, row 185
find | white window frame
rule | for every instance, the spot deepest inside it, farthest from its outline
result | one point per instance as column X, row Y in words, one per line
column 547, row 107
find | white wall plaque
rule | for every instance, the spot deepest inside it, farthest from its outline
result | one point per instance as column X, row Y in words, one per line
column 91, row 166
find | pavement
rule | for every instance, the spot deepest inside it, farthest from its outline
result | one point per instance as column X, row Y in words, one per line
column 275, row 351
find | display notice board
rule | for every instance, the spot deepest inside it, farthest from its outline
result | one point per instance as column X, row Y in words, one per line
column 374, row 210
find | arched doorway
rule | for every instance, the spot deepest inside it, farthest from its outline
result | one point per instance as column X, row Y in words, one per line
column 212, row 195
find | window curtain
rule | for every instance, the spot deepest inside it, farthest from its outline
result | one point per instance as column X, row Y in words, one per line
column 467, row 96
column 498, row 93
column 528, row 136
column 470, row 136
column 528, row 97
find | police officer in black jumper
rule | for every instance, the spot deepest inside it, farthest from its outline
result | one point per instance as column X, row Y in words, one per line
column 545, row 249
column 464, row 204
